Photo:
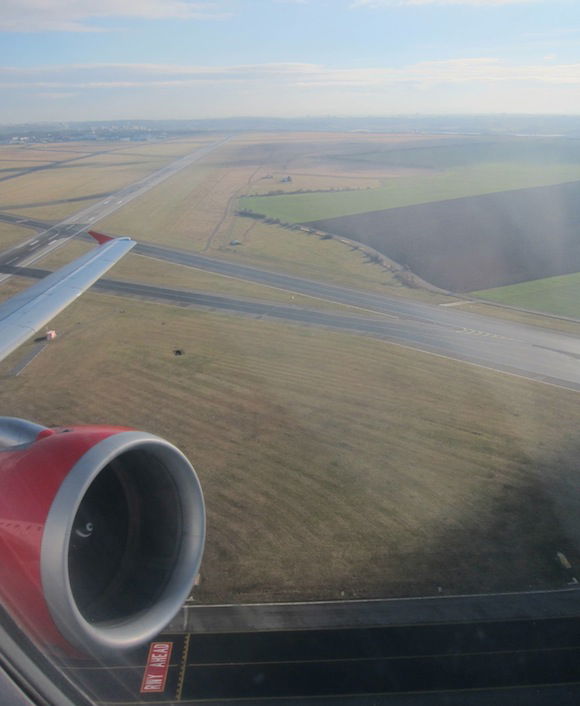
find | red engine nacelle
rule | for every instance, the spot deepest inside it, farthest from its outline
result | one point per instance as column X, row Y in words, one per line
column 102, row 531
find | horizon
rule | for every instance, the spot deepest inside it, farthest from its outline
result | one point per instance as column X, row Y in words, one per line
column 411, row 117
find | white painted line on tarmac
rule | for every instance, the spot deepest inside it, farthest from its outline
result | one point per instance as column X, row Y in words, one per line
column 403, row 599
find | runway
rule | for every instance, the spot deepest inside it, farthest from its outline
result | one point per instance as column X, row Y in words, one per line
column 529, row 352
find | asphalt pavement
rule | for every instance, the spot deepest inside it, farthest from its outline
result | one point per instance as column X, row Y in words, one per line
column 537, row 354
column 529, row 662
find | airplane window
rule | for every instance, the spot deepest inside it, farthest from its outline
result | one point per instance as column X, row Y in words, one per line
column 290, row 352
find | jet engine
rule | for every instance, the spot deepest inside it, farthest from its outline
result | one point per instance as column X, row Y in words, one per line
column 102, row 531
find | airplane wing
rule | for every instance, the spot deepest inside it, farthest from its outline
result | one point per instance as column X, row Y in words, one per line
column 27, row 312
column 70, row 576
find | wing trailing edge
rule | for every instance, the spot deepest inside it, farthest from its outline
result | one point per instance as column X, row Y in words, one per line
column 27, row 312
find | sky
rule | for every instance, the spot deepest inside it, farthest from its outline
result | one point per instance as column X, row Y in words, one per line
column 66, row 60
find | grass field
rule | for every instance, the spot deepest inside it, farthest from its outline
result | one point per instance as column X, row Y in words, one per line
column 68, row 182
column 411, row 190
column 333, row 465
column 11, row 235
column 181, row 211
column 12, row 286
column 555, row 295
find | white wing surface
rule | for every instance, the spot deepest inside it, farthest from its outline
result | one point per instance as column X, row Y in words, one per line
column 27, row 312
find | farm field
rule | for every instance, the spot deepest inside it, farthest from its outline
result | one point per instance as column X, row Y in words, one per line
column 407, row 474
column 480, row 242
column 410, row 190
column 555, row 295
column 458, row 151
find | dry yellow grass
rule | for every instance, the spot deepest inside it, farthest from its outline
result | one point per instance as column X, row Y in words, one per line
column 260, row 138
column 11, row 235
column 333, row 465
column 11, row 286
column 196, row 210
column 16, row 166
column 181, row 211
column 167, row 148
column 31, row 156
column 53, row 213
column 93, row 174
column 52, row 152
column 70, row 181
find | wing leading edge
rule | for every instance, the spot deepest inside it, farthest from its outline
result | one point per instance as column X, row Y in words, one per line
column 27, row 312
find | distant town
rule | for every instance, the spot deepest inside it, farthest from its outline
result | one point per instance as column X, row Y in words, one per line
column 145, row 130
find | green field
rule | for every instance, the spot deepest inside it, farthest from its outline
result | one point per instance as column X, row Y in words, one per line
column 554, row 295
column 408, row 191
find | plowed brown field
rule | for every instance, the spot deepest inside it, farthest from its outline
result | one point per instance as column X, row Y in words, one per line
column 477, row 242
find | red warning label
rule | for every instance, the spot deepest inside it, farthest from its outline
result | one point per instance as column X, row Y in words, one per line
column 157, row 667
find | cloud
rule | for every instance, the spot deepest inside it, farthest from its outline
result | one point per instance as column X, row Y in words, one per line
column 77, row 15
column 278, row 76
column 56, row 95
column 373, row 4
column 126, row 91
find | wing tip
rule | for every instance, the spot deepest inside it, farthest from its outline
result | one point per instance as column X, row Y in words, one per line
column 101, row 238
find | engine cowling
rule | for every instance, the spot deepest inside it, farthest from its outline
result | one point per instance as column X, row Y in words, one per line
column 102, row 532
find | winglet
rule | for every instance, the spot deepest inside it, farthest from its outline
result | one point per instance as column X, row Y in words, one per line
column 100, row 237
